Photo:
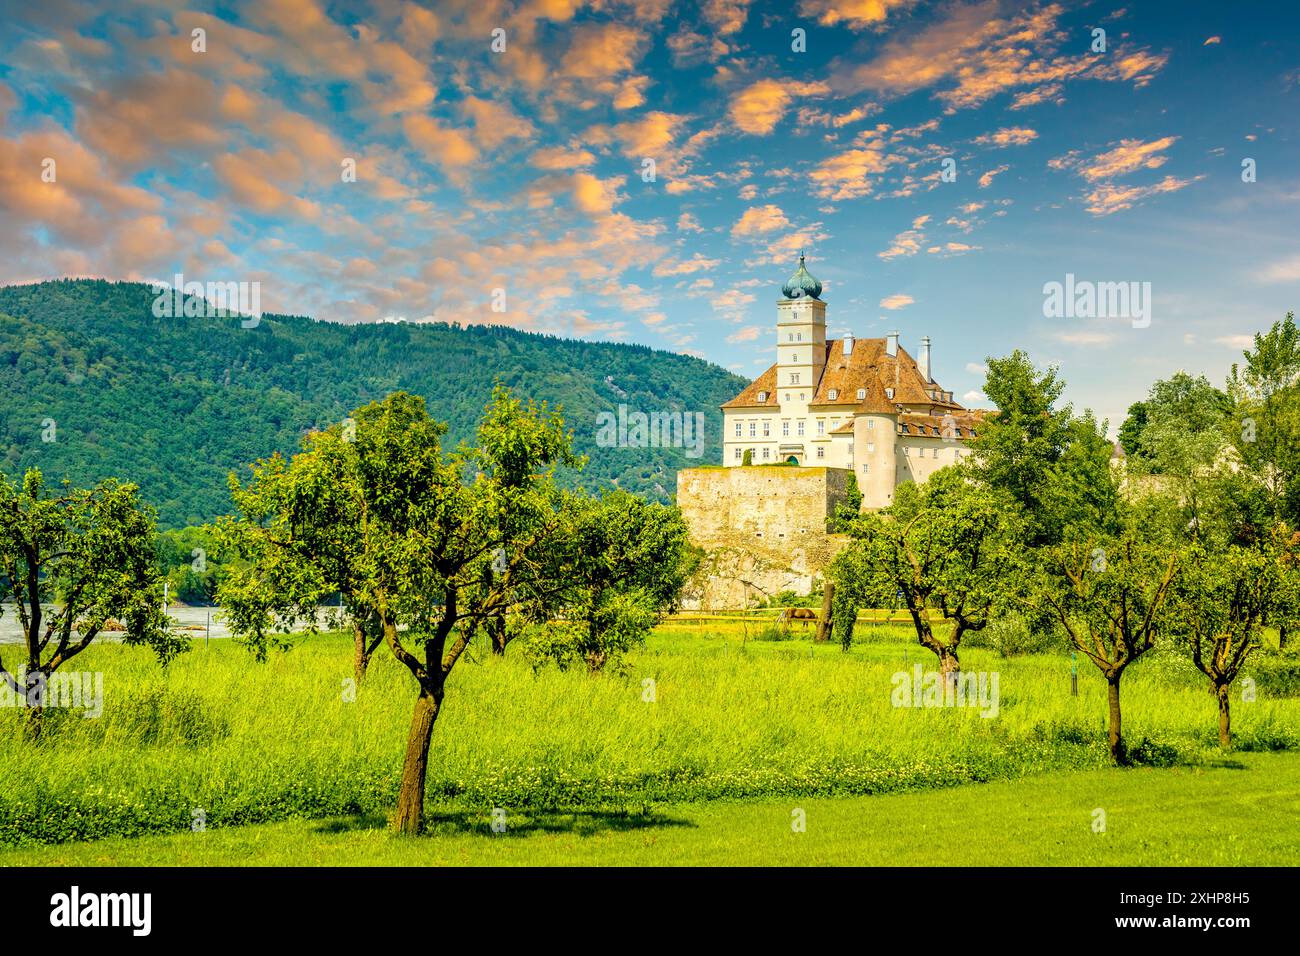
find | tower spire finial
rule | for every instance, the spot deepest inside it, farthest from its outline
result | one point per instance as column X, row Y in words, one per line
column 802, row 282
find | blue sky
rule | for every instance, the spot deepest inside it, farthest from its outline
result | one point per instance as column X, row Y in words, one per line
column 522, row 169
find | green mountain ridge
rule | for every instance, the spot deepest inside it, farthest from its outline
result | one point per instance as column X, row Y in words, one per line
column 175, row 404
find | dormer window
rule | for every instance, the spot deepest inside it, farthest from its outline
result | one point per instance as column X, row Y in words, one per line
column 762, row 396
column 889, row 393
column 862, row 393
column 833, row 394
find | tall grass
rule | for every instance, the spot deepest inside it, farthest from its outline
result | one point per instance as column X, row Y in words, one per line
column 222, row 739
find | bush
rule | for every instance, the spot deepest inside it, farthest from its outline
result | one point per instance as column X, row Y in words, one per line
column 1276, row 674
column 1011, row 636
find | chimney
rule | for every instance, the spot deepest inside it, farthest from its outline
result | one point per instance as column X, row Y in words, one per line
column 891, row 343
column 923, row 360
column 848, row 344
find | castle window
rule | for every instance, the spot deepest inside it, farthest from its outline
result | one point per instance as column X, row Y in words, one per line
column 737, row 455
column 865, row 467
column 794, row 378
column 833, row 394
column 871, row 447
column 737, row 429
column 785, row 429
column 762, row 396
column 821, row 452
column 889, row 393
column 871, row 423
column 862, row 393
column 767, row 429
column 798, row 336
column 753, row 429
column 765, row 454
column 821, row 426
column 800, row 428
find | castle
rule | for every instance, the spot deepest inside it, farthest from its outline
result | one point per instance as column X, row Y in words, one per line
column 863, row 405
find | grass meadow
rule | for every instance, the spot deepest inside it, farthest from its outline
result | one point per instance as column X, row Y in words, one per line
column 734, row 723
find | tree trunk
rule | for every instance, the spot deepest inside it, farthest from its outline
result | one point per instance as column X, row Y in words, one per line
column 360, row 654
column 949, row 665
column 1225, row 716
column 1281, row 637
column 1115, row 734
column 33, row 723
column 410, row 798
column 824, row 625
column 497, row 632
column 34, row 701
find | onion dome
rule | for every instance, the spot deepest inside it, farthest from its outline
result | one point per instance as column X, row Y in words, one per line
column 802, row 284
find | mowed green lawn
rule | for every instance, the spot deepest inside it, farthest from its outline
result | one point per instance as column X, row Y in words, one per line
column 1241, row 810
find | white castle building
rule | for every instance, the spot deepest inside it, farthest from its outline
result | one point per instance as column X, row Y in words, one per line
column 860, row 404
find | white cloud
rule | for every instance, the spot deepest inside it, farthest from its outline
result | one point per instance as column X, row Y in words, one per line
column 1284, row 270
column 898, row 300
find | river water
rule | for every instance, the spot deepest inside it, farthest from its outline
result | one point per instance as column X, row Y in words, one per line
column 198, row 622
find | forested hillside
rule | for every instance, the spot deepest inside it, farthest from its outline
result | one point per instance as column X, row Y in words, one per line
column 174, row 404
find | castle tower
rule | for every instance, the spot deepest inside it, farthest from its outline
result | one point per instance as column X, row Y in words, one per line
column 875, row 454
column 801, row 340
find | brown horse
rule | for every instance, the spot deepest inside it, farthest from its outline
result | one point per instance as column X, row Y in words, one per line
column 805, row 615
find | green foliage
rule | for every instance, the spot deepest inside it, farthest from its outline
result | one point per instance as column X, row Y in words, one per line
column 1110, row 595
column 191, row 562
column 624, row 562
column 72, row 560
column 947, row 546
column 1266, row 392
column 848, row 509
column 748, row 459
column 1054, row 465
column 1219, row 603
column 176, row 403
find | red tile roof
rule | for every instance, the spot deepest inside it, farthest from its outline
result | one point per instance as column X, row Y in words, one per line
column 845, row 374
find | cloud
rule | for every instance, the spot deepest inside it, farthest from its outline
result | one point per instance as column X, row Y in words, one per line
column 1010, row 136
column 1236, row 341
column 1212, row 41
column 908, row 242
column 494, row 123
column 594, row 195
column 855, row 14
column 445, row 146
column 560, row 158
column 986, row 180
column 1127, row 156
column 1283, row 270
column 898, row 300
column 748, row 334
column 762, row 105
column 977, row 53
column 846, row 175
column 1085, row 337
column 602, row 50
column 974, row 396
column 977, row 368
column 758, row 220
column 1109, row 198
column 682, row 267
column 726, row 16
